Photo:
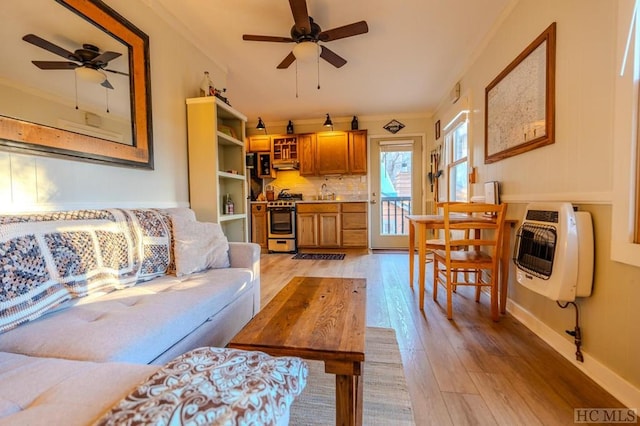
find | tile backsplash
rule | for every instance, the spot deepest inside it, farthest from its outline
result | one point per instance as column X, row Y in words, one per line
column 344, row 187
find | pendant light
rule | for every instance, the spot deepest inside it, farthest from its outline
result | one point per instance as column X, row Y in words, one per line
column 328, row 122
column 261, row 125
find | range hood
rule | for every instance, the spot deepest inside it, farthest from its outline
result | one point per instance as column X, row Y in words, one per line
column 289, row 164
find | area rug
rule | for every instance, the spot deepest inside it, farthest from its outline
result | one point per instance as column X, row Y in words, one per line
column 386, row 398
column 319, row 256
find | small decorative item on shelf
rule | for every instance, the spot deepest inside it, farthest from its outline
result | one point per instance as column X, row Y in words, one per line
column 205, row 85
column 228, row 205
column 354, row 123
column 290, row 128
column 218, row 94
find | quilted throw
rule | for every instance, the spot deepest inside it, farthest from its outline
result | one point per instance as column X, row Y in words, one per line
column 49, row 258
column 214, row 386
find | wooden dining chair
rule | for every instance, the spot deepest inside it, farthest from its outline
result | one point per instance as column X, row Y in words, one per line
column 433, row 244
column 479, row 265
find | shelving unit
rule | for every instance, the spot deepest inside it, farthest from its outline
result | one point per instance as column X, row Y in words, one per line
column 217, row 164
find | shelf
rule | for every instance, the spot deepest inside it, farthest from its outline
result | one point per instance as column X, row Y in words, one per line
column 225, row 139
column 227, row 175
column 228, row 217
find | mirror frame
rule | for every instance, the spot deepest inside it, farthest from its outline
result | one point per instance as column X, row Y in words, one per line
column 20, row 135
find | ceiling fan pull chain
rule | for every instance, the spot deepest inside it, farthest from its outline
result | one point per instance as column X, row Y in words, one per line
column 75, row 79
column 296, row 79
column 318, row 72
column 107, row 93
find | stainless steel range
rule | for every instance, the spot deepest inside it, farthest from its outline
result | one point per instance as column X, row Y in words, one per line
column 281, row 223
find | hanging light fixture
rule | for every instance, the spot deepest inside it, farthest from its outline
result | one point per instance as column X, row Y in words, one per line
column 90, row 74
column 261, row 125
column 306, row 51
column 328, row 122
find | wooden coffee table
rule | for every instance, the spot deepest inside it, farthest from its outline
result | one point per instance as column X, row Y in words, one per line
column 317, row 319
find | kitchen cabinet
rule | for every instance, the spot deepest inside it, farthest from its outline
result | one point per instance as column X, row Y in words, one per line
column 259, row 224
column 265, row 170
column 284, row 148
column 216, row 154
column 333, row 153
column 261, row 143
column 354, row 225
column 307, row 154
column 358, row 152
column 318, row 225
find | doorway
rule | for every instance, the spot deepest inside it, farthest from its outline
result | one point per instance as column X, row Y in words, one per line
column 396, row 188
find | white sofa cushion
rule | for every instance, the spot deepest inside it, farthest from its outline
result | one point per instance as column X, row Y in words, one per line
column 131, row 325
column 198, row 245
column 49, row 391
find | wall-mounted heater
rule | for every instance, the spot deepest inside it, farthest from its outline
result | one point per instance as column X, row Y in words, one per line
column 554, row 251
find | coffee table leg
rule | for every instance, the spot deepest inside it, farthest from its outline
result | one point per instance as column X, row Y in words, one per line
column 349, row 392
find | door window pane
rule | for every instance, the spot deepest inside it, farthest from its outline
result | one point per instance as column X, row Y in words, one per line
column 395, row 189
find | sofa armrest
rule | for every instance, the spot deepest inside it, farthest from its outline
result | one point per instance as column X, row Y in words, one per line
column 247, row 255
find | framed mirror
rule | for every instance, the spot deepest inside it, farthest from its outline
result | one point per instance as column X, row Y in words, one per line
column 76, row 83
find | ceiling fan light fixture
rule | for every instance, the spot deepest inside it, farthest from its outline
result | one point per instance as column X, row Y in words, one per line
column 90, row 74
column 306, row 51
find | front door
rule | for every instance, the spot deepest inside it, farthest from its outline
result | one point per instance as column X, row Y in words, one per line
column 396, row 168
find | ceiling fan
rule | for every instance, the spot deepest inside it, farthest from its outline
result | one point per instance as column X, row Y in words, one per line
column 306, row 31
column 91, row 61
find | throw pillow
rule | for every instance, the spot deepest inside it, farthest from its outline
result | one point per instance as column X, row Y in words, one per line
column 198, row 245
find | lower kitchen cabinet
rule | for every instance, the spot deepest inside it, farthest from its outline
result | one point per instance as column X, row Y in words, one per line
column 354, row 225
column 319, row 225
column 259, row 224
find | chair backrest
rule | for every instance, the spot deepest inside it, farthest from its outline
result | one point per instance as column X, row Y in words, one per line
column 474, row 216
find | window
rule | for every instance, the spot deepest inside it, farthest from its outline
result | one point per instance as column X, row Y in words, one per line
column 455, row 139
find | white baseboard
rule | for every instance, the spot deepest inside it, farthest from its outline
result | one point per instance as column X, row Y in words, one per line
column 617, row 386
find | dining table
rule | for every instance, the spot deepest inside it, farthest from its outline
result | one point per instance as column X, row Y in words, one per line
column 418, row 226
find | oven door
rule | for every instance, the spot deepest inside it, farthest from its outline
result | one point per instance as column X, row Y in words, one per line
column 281, row 222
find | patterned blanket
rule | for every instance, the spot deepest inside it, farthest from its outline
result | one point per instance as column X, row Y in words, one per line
column 214, row 386
column 49, row 258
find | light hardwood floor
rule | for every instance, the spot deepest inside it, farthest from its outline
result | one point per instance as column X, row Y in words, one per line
column 469, row 371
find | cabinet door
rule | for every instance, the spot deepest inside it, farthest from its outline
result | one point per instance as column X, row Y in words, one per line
column 264, row 165
column 260, row 143
column 358, row 152
column 307, row 154
column 332, row 153
column 329, row 229
column 259, row 224
column 307, row 230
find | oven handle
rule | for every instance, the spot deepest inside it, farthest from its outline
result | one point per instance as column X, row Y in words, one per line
column 281, row 209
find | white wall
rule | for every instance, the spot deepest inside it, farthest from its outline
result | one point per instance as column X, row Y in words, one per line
column 578, row 168
column 35, row 183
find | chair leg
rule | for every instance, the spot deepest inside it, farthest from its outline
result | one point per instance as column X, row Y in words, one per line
column 435, row 279
column 449, row 295
column 494, row 299
column 477, row 281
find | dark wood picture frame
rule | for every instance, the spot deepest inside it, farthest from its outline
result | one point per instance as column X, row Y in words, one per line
column 21, row 135
column 437, row 129
column 520, row 102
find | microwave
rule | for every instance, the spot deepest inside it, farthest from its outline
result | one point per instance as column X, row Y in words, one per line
column 251, row 160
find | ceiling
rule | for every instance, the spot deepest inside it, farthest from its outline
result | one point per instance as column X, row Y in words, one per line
column 413, row 54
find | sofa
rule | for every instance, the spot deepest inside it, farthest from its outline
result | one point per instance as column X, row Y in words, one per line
column 115, row 296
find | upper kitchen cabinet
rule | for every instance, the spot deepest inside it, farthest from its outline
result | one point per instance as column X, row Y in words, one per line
column 358, row 152
column 261, row 143
column 217, row 169
column 333, row 153
column 284, row 151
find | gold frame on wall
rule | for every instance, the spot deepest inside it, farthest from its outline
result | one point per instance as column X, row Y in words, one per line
column 35, row 138
column 520, row 102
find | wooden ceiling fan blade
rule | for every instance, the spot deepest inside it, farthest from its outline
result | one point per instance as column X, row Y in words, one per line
column 300, row 16
column 105, row 57
column 275, row 39
column 332, row 57
column 47, row 45
column 117, row 72
column 356, row 28
column 55, row 65
column 288, row 60
column 106, row 84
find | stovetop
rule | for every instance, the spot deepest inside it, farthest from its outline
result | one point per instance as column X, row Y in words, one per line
column 284, row 196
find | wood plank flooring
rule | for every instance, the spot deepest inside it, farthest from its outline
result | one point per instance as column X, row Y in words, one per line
column 468, row 371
